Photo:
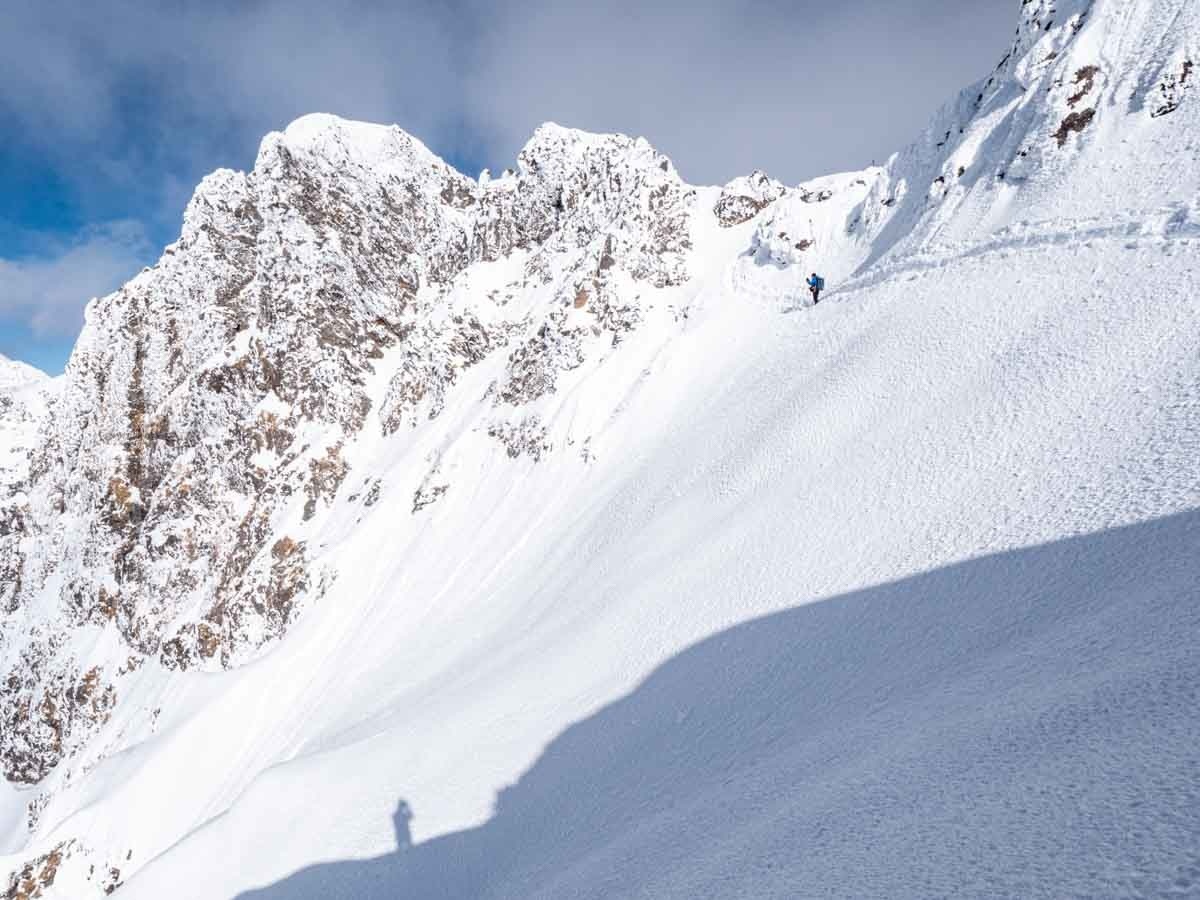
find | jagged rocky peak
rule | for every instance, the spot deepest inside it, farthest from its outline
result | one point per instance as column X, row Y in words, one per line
column 382, row 148
column 745, row 197
column 556, row 148
column 588, row 212
column 205, row 412
column 209, row 410
column 573, row 188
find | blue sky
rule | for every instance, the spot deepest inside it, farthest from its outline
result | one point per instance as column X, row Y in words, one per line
column 112, row 111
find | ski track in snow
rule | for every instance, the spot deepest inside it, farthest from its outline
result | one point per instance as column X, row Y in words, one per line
column 1176, row 228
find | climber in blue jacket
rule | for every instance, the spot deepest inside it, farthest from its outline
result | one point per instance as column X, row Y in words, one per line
column 816, row 284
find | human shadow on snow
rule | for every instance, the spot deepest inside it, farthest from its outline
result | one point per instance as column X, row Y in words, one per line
column 1021, row 724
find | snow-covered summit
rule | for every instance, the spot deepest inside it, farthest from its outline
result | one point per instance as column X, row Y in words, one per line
column 382, row 148
column 16, row 374
column 560, row 147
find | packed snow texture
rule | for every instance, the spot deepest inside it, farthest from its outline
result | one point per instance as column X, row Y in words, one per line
column 544, row 541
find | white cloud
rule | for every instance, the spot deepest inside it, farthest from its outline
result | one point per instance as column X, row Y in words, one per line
column 47, row 292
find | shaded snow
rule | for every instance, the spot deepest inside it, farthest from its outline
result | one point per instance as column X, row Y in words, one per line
column 983, row 744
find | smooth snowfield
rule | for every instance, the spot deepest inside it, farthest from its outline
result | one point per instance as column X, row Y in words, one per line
column 1011, row 712
column 920, row 739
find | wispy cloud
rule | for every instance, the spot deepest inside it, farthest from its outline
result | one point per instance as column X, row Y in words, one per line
column 46, row 293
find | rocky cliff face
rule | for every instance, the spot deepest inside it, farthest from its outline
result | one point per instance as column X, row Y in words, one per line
column 207, row 411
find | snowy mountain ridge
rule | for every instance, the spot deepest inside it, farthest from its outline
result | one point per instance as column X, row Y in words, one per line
column 387, row 470
column 15, row 374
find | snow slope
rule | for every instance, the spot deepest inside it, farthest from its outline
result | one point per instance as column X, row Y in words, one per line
column 1010, row 712
column 684, row 588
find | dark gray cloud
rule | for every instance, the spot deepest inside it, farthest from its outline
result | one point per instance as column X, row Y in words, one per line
column 797, row 88
column 721, row 85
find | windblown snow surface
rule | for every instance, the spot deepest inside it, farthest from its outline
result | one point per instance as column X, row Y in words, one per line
column 897, row 596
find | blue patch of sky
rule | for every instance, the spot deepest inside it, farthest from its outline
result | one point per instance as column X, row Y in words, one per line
column 35, row 200
column 50, row 354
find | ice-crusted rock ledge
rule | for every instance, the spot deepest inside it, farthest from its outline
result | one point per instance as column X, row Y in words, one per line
column 744, row 198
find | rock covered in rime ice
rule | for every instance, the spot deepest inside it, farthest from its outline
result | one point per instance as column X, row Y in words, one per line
column 745, row 197
column 206, row 414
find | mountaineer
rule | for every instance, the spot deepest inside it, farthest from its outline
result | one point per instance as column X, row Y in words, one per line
column 816, row 284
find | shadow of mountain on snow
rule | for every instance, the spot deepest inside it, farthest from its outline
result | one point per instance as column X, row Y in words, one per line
column 1024, row 724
